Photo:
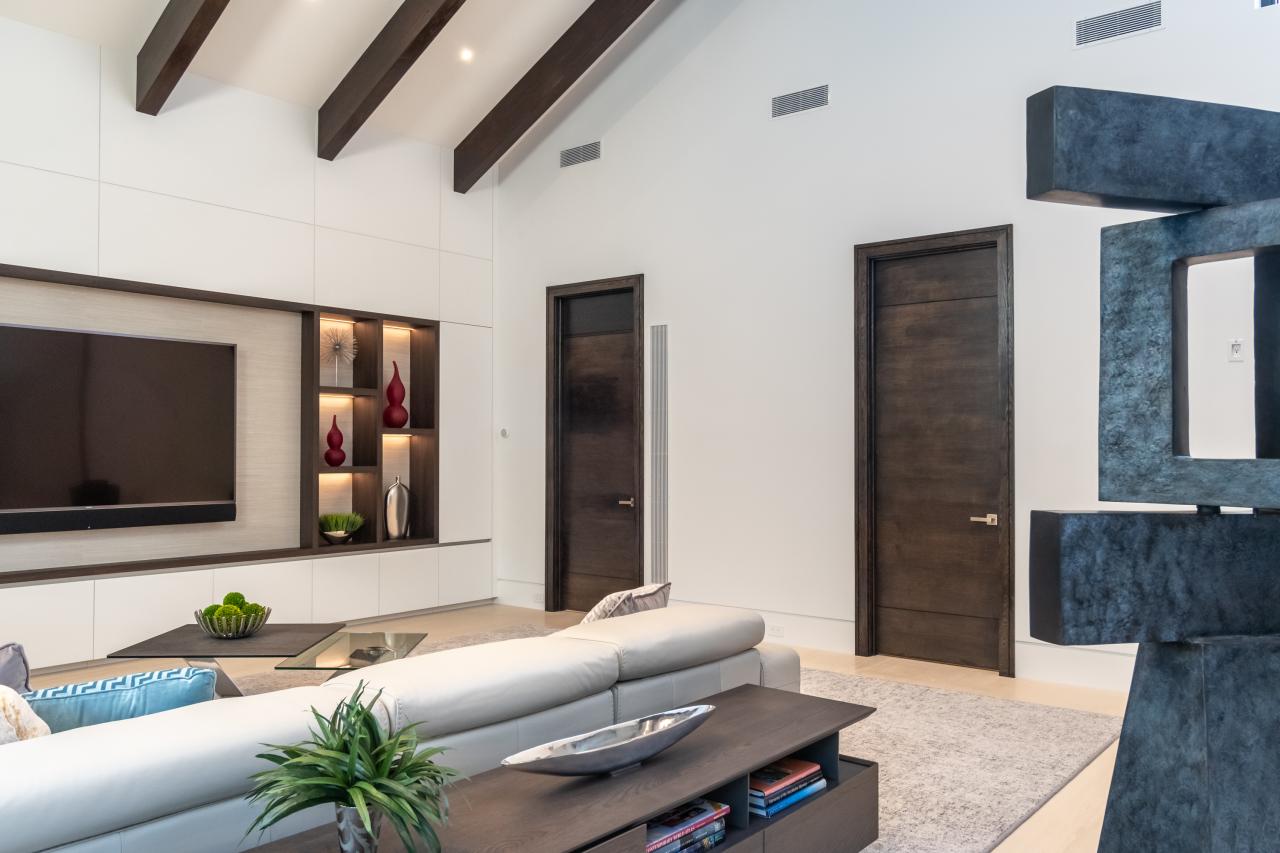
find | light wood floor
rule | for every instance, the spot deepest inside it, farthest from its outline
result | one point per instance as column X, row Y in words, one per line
column 1070, row 822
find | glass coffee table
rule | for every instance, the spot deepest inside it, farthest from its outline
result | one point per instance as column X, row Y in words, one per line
column 320, row 647
column 345, row 650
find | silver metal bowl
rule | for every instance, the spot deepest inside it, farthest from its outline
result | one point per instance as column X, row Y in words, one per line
column 613, row 749
column 232, row 627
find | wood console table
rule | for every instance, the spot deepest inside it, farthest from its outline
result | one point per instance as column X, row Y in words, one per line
column 504, row 810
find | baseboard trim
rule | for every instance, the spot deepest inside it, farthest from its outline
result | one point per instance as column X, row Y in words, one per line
column 515, row 593
column 1104, row 669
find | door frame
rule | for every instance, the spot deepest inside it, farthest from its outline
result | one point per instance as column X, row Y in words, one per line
column 866, row 255
column 556, row 294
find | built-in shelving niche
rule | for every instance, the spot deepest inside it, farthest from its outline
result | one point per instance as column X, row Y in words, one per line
column 355, row 393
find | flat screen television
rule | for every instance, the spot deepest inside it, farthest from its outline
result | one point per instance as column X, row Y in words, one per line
column 101, row 430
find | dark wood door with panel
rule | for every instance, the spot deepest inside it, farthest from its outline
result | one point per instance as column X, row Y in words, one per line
column 938, row 462
column 594, row 438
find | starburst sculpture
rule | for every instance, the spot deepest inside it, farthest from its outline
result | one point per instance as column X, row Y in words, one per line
column 337, row 348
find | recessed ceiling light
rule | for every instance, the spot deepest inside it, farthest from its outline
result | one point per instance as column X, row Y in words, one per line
column 466, row 54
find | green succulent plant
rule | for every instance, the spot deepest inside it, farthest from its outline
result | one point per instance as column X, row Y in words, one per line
column 227, row 611
column 253, row 608
column 235, row 599
column 209, row 611
column 341, row 522
column 352, row 761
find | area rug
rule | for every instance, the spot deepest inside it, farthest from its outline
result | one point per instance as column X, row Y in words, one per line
column 959, row 772
column 266, row 682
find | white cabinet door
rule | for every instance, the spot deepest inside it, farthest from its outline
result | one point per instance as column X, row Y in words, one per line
column 466, row 432
column 284, row 587
column 129, row 610
column 466, row 573
column 345, row 588
column 410, row 580
column 53, row 622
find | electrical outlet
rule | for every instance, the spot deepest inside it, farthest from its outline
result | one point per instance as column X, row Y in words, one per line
column 776, row 631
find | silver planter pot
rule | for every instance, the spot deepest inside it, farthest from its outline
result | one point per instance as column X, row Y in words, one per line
column 397, row 503
column 352, row 836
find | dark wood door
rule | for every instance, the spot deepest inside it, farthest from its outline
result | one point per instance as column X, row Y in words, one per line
column 938, row 458
column 595, row 442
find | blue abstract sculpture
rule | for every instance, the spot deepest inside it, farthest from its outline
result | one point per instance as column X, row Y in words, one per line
column 1198, row 767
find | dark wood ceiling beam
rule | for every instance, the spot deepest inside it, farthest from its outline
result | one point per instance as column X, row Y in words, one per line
column 583, row 43
column 168, row 51
column 388, row 58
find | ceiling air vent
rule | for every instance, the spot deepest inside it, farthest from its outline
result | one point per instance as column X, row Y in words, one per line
column 1130, row 21
column 806, row 99
column 581, row 154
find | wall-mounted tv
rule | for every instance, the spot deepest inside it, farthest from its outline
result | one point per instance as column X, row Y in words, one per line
column 100, row 430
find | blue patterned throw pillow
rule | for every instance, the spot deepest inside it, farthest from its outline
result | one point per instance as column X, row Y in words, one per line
column 138, row 694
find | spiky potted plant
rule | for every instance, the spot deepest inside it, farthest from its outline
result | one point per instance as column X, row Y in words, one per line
column 339, row 527
column 369, row 774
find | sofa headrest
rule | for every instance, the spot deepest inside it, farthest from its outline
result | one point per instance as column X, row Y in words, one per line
column 461, row 689
column 659, row 641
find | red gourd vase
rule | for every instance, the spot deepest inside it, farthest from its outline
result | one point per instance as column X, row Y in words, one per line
column 395, row 415
column 335, row 455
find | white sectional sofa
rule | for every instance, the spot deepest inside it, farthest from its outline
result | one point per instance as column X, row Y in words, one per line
column 176, row 780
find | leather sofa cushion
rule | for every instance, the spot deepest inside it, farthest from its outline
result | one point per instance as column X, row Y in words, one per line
column 474, row 686
column 659, row 641
column 97, row 779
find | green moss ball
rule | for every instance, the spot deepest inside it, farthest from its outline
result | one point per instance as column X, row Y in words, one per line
column 209, row 611
column 227, row 611
column 234, row 599
column 253, row 609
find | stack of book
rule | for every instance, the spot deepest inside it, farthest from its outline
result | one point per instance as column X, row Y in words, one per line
column 783, row 784
column 699, row 825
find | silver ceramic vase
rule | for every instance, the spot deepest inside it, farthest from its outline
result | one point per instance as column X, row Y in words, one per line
column 352, row 836
column 397, row 515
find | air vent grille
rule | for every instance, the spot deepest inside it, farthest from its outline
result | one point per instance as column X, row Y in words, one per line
column 1120, row 23
column 806, row 99
column 658, row 455
column 581, row 154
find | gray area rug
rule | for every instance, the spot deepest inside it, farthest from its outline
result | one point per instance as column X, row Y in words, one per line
column 959, row 772
column 266, row 682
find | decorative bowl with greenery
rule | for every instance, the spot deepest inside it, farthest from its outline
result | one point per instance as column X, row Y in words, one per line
column 234, row 618
column 367, row 772
column 339, row 527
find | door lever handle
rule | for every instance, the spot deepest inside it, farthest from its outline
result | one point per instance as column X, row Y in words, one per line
column 990, row 519
column 631, row 502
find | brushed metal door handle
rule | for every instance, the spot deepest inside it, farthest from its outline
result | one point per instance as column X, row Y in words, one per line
column 990, row 519
column 631, row 502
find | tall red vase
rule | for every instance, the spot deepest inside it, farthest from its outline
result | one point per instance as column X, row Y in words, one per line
column 395, row 415
column 335, row 455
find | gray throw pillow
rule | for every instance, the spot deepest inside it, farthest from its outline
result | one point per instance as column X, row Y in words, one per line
column 628, row 601
column 13, row 667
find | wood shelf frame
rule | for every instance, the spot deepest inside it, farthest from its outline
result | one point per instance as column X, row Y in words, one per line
column 370, row 465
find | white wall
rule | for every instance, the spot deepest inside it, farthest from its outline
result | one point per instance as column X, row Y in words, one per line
column 223, row 191
column 744, row 228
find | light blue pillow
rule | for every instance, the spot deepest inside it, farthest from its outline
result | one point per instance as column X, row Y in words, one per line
column 138, row 694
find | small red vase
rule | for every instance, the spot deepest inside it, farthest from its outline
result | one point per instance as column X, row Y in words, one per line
column 335, row 455
column 395, row 415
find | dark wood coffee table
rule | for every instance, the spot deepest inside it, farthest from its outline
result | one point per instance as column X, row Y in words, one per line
column 505, row 810
column 189, row 643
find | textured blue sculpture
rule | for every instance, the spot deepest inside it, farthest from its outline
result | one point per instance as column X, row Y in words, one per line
column 1198, row 768
column 1142, row 432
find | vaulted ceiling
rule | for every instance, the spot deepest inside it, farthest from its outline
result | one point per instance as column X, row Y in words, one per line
column 299, row 50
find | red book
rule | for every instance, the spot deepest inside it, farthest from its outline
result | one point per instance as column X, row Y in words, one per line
column 680, row 822
column 781, row 774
